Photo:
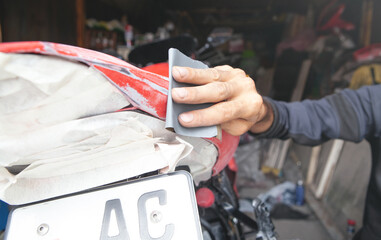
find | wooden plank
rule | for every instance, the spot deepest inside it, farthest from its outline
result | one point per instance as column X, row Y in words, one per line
column 313, row 164
column 363, row 23
column 366, row 22
column 273, row 153
column 283, row 153
column 321, row 162
column 297, row 94
column 2, row 25
column 1, row 33
column 329, row 167
column 80, row 25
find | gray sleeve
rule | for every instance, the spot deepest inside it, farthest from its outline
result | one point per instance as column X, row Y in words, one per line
column 349, row 115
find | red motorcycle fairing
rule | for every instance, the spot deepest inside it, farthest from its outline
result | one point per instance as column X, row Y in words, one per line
column 145, row 90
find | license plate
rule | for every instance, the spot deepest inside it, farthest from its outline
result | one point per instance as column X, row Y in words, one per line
column 160, row 207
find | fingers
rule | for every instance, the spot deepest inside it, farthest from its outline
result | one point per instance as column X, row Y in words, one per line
column 210, row 93
column 214, row 92
column 237, row 106
column 214, row 115
column 234, row 127
column 195, row 76
column 205, row 76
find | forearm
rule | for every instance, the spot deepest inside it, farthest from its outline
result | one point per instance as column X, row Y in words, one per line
column 349, row 115
column 307, row 122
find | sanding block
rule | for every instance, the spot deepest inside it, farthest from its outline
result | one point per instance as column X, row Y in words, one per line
column 176, row 58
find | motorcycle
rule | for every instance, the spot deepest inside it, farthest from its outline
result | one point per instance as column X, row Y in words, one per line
column 101, row 165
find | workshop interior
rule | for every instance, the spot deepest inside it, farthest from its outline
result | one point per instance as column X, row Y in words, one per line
column 84, row 145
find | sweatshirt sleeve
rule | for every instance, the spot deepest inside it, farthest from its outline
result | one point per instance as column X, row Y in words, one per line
column 349, row 115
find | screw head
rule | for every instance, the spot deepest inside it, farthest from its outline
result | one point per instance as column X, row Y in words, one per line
column 43, row 229
column 156, row 216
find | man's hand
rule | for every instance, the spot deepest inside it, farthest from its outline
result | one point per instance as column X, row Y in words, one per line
column 238, row 107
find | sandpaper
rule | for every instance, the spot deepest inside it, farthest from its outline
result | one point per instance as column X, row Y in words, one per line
column 176, row 58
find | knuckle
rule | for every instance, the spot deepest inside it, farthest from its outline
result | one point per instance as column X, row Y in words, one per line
column 254, row 101
column 227, row 66
column 240, row 108
column 224, row 68
column 192, row 94
column 200, row 117
column 249, row 83
column 215, row 74
column 239, row 72
column 197, row 73
column 242, row 86
column 192, row 74
column 223, row 89
column 228, row 112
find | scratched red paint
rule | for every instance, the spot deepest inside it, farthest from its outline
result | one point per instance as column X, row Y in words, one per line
column 151, row 77
column 154, row 99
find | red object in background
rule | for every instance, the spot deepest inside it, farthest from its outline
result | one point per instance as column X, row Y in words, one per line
column 145, row 90
column 335, row 21
column 158, row 68
column 368, row 53
column 351, row 222
column 351, row 229
column 205, row 197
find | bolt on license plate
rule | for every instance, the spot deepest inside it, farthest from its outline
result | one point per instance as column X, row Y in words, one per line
column 159, row 207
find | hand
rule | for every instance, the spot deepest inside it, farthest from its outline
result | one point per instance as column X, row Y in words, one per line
column 238, row 107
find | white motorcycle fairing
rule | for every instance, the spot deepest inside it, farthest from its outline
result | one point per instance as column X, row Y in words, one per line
column 61, row 132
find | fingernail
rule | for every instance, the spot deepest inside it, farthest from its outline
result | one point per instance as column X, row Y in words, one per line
column 180, row 92
column 180, row 71
column 186, row 117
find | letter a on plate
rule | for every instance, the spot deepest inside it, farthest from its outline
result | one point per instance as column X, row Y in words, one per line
column 116, row 206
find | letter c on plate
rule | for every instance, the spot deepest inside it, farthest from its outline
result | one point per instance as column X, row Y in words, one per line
column 143, row 222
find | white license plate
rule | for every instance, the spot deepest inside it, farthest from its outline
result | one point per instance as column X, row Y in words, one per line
column 160, row 207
